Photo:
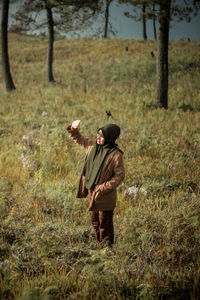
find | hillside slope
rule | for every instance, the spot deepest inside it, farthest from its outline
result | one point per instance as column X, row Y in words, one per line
column 47, row 249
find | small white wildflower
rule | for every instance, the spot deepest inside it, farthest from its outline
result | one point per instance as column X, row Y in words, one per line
column 24, row 148
column 44, row 114
column 134, row 191
column 37, row 143
column 25, row 138
column 26, row 161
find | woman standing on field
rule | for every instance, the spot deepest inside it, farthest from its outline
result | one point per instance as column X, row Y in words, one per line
column 103, row 171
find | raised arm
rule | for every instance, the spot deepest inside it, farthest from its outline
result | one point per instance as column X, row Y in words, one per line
column 77, row 137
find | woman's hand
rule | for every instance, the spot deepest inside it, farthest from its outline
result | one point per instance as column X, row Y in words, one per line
column 97, row 189
column 76, row 124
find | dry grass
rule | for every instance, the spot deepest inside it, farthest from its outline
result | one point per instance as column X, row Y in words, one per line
column 47, row 248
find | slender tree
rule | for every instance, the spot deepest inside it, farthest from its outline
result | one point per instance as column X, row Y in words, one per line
column 64, row 10
column 144, row 21
column 169, row 9
column 107, row 14
column 140, row 9
column 164, row 11
column 50, row 23
column 4, row 47
column 162, row 57
column 154, row 20
column 26, row 18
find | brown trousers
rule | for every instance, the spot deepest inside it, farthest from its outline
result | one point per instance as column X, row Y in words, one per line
column 102, row 222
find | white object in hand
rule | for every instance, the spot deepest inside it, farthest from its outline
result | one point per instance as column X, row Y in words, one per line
column 76, row 123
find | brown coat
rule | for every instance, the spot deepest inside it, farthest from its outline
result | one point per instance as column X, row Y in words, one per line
column 104, row 196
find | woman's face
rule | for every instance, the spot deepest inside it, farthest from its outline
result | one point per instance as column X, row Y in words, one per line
column 100, row 138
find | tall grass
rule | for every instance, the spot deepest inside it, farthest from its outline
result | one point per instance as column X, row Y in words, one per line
column 47, row 248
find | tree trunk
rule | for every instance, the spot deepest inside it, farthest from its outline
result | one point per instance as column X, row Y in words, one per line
column 50, row 22
column 108, row 2
column 144, row 22
column 154, row 22
column 4, row 47
column 162, row 59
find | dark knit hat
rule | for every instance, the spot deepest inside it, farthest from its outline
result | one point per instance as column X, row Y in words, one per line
column 110, row 132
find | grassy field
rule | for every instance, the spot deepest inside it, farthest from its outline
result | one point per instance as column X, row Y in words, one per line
column 47, row 248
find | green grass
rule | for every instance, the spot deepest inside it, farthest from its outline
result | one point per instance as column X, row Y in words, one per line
column 47, row 248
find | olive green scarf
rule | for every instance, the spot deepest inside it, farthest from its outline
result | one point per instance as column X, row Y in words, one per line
column 95, row 160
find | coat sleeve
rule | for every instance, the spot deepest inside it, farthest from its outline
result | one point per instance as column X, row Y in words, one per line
column 116, row 179
column 79, row 139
